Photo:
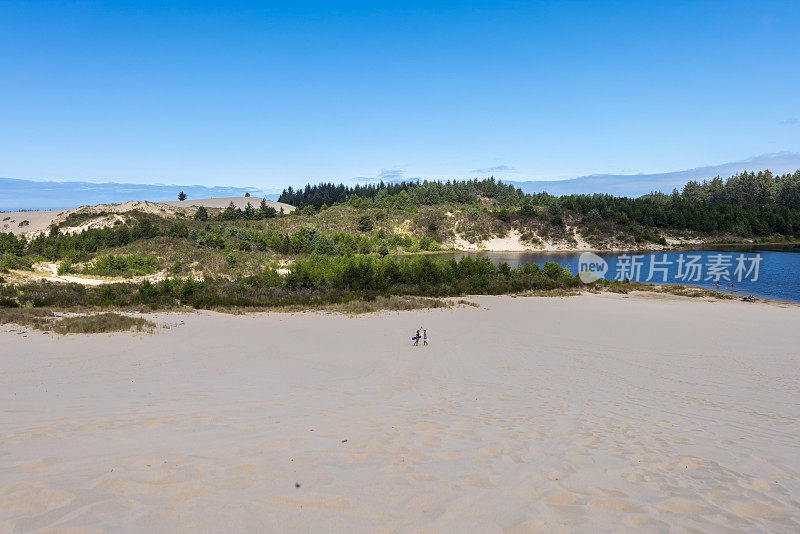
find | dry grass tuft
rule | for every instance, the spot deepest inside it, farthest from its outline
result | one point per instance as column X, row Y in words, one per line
column 38, row 318
column 355, row 307
column 102, row 323
column 558, row 292
column 45, row 319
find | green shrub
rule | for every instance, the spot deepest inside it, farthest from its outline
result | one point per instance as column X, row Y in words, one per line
column 178, row 229
column 365, row 223
column 118, row 265
column 201, row 214
column 527, row 210
column 66, row 267
column 312, row 281
column 11, row 261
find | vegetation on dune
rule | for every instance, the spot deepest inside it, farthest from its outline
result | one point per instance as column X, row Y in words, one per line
column 249, row 213
column 121, row 265
column 101, row 323
column 47, row 320
column 152, row 243
column 747, row 204
column 13, row 261
column 313, row 281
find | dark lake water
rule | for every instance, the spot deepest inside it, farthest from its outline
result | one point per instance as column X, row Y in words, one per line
column 771, row 272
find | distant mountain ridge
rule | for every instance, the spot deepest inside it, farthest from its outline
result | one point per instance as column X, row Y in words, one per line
column 636, row 185
column 18, row 195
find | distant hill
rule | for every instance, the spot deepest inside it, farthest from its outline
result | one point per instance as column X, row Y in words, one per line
column 33, row 195
column 636, row 185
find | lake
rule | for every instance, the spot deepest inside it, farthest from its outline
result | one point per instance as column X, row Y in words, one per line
column 771, row 272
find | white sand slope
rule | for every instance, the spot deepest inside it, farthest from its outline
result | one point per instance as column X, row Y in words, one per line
column 22, row 222
column 600, row 413
column 239, row 202
column 31, row 223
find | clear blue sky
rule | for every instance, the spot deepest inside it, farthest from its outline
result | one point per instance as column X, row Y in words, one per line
column 253, row 93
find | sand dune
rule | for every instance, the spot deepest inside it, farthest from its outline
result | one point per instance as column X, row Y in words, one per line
column 583, row 414
column 239, row 202
column 22, row 222
column 31, row 223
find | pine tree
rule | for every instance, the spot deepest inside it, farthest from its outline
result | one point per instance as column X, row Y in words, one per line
column 201, row 214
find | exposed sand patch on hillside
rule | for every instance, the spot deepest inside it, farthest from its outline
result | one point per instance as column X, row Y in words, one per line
column 510, row 242
column 22, row 222
column 49, row 272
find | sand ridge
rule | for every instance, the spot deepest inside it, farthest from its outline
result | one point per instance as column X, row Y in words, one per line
column 32, row 223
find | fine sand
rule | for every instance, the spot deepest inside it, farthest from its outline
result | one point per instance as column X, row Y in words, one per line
column 597, row 413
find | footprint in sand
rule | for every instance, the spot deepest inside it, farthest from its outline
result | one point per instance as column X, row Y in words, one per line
column 560, row 498
column 30, row 498
column 316, row 500
column 477, row 482
column 753, row 509
column 246, row 469
column 612, row 503
column 678, row 506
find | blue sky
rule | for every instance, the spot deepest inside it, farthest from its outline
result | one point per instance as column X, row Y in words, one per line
column 268, row 95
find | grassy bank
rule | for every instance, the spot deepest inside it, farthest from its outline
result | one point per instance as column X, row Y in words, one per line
column 349, row 284
column 315, row 281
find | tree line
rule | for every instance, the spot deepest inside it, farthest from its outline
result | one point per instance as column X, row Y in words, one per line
column 746, row 204
column 422, row 193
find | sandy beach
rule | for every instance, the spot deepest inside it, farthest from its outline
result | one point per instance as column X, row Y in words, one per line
column 596, row 413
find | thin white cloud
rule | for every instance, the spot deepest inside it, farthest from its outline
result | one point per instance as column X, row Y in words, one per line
column 386, row 175
column 496, row 168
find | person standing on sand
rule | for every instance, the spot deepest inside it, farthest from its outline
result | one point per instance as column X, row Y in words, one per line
column 424, row 336
column 416, row 339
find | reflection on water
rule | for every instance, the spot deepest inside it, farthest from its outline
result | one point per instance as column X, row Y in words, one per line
column 778, row 275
